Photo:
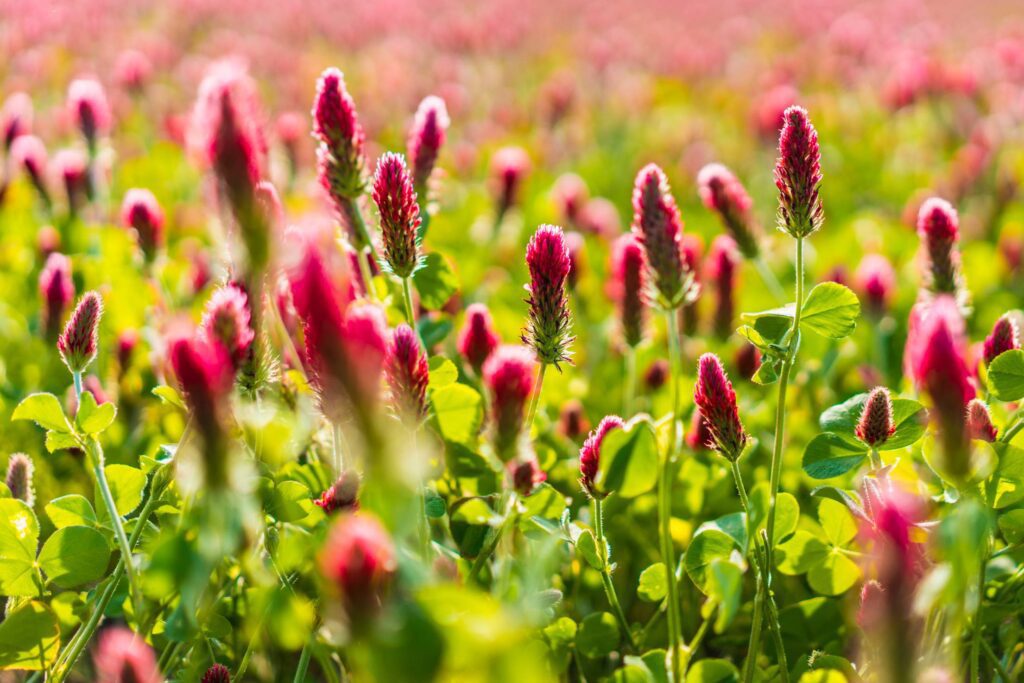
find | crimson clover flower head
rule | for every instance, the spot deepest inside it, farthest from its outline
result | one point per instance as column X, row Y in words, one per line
column 358, row 558
column 141, row 212
column 57, row 291
column 747, row 361
column 659, row 229
column 629, row 287
column 876, row 280
column 132, row 71
column 218, row 673
column 509, row 375
column 15, row 118
column 227, row 321
column 407, row 373
column 1004, row 337
column 341, row 160
column 979, row 421
column 88, row 107
column 29, row 154
column 121, row 656
column 724, row 194
column 798, row 175
column 395, row 196
column 525, row 474
column 342, row 495
column 876, row 423
column 71, row 166
column 19, row 478
column 572, row 421
column 571, row 195
column 426, row 137
column 549, row 325
column 699, row 437
column 656, row 374
column 590, row 454
column 80, row 339
column 126, row 343
column 478, row 338
column 939, row 229
column 716, row 400
column 723, row 266
column 509, row 167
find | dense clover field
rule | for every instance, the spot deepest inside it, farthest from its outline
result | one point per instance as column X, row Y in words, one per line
column 587, row 355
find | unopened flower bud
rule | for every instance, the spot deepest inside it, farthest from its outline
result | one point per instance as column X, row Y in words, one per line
column 426, row 137
column 979, row 422
column 876, row 281
column 724, row 194
column 79, row 341
column 549, row 324
column 57, row 291
column 227, row 321
column 15, row 118
column 1004, row 337
column 659, row 229
column 141, row 213
column 876, row 423
column 748, row 361
column 723, row 265
column 407, row 374
column 656, row 374
column 509, row 167
column 798, row 175
column 477, row 339
column 395, row 197
column 572, row 421
column 570, row 195
column 526, row 474
column 939, row 229
column 89, row 109
column 509, row 375
column 29, row 153
column 716, row 400
column 19, row 478
column 72, row 168
column 342, row 495
column 590, row 455
column 358, row 558
column 629, row 284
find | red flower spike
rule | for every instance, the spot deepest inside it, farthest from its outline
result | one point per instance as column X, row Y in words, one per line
column 549, row 324
column 939, row 229
column 72, row 168
column 509, row 167
column 590, row 454
column 19, row 478
column 80, row 339
column 572, row 421
column 979, row 422
column 226, row 321
column 570, row 195
column 526, row 475
column 723, row 265
column 1004, row 337
column 358, row 558
column 798, row 175
column 693, row 252
column 29, row 153
column 716, row 400
column 656, row 374
column 477, row 339
column 876, row 282
column 748, row 361
column 88, row 108
column 57, row 291
column 141, row 212
column 426, row 137
column 123, row 657
column 876, row 423
column 15, row 118
column 659, row 228
column 341, row 160
column 509, row 375
column 724, row 194
column 407, row 374
column 342, row 496
column 395, row 197
column 629, row 282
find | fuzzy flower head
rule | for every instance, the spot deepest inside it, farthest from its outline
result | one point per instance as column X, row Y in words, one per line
column 629, row 287
column 570, row 195
column 29, row 154
column 57, row 291
column 939, row 229
column 876, row 424
column 716, row 400
column 798, row 175
column 699, row 437
column 426, row 137
column 525, row 474
column 132, row 71
column 88, row 107
column 876, row 281
column 478, row 338
column 71, row 166
column 342, row 161
column 747, row 361
column 358, row 559
column 549, row 325
column 590, row 455
column 724, row 194
column 19, row 478
column 227, row 321
column 508, row 374
column 80, row 339
column 395, row 197
column 659, row 229
column 15, row 118
column 407, row 374
column 722, row 269
column 1004, row 337
column 572, row 420
column 509, row 167
column 123, row 657
column 342, row 495
column 979, row 422
column 141, row 213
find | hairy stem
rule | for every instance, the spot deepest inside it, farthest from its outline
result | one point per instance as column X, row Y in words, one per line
column 630, row 392
column 410, row 316
column 606, row 573
column 95, row 452
column 536, row 398
column 665, row 502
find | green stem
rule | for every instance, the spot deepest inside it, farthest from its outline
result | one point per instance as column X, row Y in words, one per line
column 665, row 503
column 536, row 398
column 488, row 550
column 300, row 672
column 994, row 660
column 77, row 377
column 1011, row 432
column 407, row 298
column 630, row 393
column 875, row 458
column 606, row 574
column 366, row 273
column 96, row 454
column 754, row 644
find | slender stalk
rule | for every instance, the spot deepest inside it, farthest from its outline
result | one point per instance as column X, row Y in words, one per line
column 410, row 316
column 875, row 458
column 754, row 646
column 77, row 377
column 998, row 665
column 665, row 501
column 606, row 574
column 366, row 273
column 300, row 672
column 769, row 279
column 96, row 455
column 536, row 398
column 630, row 393
column 488, row 550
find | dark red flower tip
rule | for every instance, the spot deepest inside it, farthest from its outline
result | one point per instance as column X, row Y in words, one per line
column 748, row 361
column 342, row 495
column 426, row 137
column 509, row 167
column 876, row 281
column 477, row 339
column 358, row 558
column 509, row 375
column 656, row 374
column 724, row 194
column 876, row 423
column 19, row 478
column 407, row 374
column 15, row 118
column 72, row 167
column 227, row 321
column 659, row 228
column 693, row 253
column 341, row 161
column 395, row 197
column 798, row 175
column 629, row 285
column 979, row 422
column 590, row 454
column 225, row 132
column 570, row 195
column 132, row 71
column 722, row 269
column 572, row 420
column 141, row 212
column 57, row 291
column 525, row 474
column 126, row 343
column 218, row 673
column 716, row 400
column 122, row 656
column 1004, row 337
column 88, row 107
column 549, row 325
column 80, row 339
column 939, row 229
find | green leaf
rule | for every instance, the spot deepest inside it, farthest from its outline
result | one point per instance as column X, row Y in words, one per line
column 769, row 370
column 544, row 502
column 787, row 512
column 71, row 510
column 44, row 410
column 586, row 544
column 60, row 441
column 435, row 506
column 628, row 460
column 771, row 326
column 838, row 524
column 725, row 587
column 290, row 501
column 910, row 418
column 560, row 633
column 1008, row 479
column 74, row 555
column 442, row 372
column 29, row 638
column 848, row 498
column 713, row 671
column 706, row 547
column 829, row 455
column 801, row 553
column 836, row 574
column 459, row 410
column 653, row 585
column 434, row 328
column 92, row 418
column 733, row 524
column 19, row 536
column 435, row 281
column 170, row 396
column 1011, row 524
column 830, row 310
column 126, row 486
column 598, row 635
column 1006, row 375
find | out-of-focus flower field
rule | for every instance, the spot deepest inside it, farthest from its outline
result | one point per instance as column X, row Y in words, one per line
column 641, row 342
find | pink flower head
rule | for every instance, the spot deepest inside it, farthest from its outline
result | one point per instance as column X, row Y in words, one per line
column 590, row 454
column 599, row 217
column 1004, row 337
column 80, row 339
column 141, row 212
column 269, row 203
column 508, row 374
column 570, row 195
column 29, row 153
column 724, row 194
column 72, row 167
column 227, row 321
column 133, row 70
column 358, row 558
column 19, row 478
column 525, row 474
column 88, row 108
column 876, row 281
column 407, row 373
column 15, row 118
column 342, row 495
column 876, row 423
column 798, row 175
column 723, row 263
column 659, row 228
column 748, row 361
column 477, row 339
column 123, row 657
column 509, row 167
column 56, row 290
column 700, row 437
column 939, row 230
column 342, row 162
column 716, row 400
column 693, row 253
column 395, row 197
column 656, row 374
column 572, row 421
column 126, row 343
column 549, row 324
column 629, row 287
column 290, row 127
column 979, row 422
column 426, row 137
